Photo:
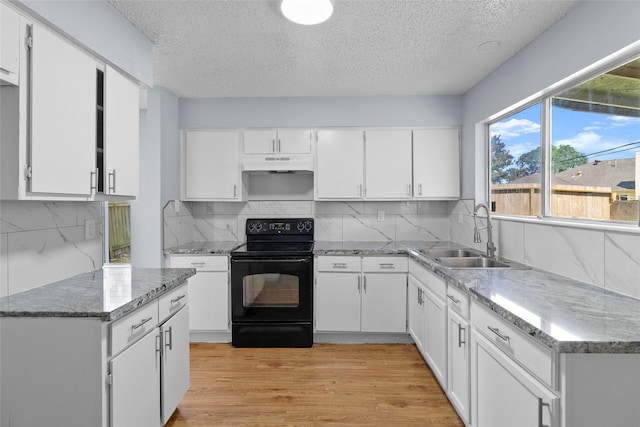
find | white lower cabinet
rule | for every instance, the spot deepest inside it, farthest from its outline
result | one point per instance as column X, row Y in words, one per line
column 175, row 378
column 135, row 384
column 431, row 292
column 458, row 344
column 208, row 291
column 506, row 391
column 353, row 294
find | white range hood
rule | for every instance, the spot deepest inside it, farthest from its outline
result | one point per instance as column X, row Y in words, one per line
column 277, row 163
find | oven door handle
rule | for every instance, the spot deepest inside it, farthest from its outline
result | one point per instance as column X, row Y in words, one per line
column 253, row 260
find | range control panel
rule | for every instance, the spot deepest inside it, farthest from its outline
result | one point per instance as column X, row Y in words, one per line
column 280, row 226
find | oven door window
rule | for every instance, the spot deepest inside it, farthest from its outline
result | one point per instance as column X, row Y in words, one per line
column 270, row 290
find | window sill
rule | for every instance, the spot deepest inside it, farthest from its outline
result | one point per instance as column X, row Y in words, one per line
column 629, row 228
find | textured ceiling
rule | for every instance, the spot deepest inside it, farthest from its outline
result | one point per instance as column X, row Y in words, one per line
column 246, row 48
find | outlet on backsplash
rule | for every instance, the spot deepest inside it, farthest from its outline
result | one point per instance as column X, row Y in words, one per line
column 380, row 216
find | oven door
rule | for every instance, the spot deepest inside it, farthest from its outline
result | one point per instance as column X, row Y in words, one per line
column 272, row 289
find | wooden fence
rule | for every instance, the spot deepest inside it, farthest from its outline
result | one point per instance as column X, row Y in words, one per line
column 568, row 201
column 119, row 232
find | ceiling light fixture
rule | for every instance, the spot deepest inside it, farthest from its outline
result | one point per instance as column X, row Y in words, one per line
column 307, row 12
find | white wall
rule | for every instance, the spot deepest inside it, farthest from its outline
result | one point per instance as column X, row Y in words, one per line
column 603, row 257
column 159, row 179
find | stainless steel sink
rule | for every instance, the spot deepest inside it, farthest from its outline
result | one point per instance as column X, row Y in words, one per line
column 471, row 262
column 448, row 253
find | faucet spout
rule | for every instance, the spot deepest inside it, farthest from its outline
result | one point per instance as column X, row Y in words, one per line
column 491, row 248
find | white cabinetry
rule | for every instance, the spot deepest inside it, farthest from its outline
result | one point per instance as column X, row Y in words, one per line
column 339, row 172
column 458, row 364
column 504, row 391
column 211, row 166
column 282, row 141
column 63, row 117
column 121, row 134
column 365, row 294
column 388, row 164
column 436, row 164
column 208, row 291
column 9, row 45
column 431, row 292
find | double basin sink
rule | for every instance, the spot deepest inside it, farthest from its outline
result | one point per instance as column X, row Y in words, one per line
column 466, row 259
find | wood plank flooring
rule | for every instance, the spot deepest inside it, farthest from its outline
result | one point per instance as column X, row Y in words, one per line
column 326, row 385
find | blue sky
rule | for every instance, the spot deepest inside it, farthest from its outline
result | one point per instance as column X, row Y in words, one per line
column 586, row 132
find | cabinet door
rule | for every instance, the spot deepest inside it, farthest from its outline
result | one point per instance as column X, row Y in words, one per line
column 122, row 136
column 338, row 302
column 458, row 366
column 63, row 116
column 436, row 163
column 388, row 164
column 339, row 170
column 135, row 388
column 260, row 141
column 294, row 141
column 435, row 341
column 506, row 395
column 384, row 303
column 9, row 44
column 416, row 312
column 175, row 361
column 209, row 301
column 211, row 165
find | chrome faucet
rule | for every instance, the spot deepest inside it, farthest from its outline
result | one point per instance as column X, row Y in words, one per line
column 491, row 248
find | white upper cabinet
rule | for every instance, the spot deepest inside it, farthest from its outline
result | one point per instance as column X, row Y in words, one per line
column 63, row 116
column 436, row 164
column 388, row 164
column 9, row 44
column 339, row 172
column 283, row 141
column 211, row 166
column 121, row 134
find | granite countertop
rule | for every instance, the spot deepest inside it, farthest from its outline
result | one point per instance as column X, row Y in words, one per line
column 203, row 248
column 565, row 315
column 107, row 294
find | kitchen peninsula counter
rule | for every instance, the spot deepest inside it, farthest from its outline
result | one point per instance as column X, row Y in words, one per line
column 563, row 314
column 107, row 294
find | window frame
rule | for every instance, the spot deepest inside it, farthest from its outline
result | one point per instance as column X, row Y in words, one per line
column 544, row 99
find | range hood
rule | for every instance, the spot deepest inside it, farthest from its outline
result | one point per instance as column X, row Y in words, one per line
column 277, row 163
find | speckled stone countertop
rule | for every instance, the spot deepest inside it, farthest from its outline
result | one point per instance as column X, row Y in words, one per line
column 565, row 315
column 203, row 248
column 107, row 294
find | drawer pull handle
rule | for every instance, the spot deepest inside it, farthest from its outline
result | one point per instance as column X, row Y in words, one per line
column 177, row 299
column 541, row 404
column 453, row 299
column 460, row 340
column 339, row 265
column 141, row 323
column 387, row 265
column 497, row 332
column 197, row 263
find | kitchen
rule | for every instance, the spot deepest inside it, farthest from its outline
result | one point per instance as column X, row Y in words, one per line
column 51, row 234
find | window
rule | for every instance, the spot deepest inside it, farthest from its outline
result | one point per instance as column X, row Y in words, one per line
column 589, row 169
column 117, row 244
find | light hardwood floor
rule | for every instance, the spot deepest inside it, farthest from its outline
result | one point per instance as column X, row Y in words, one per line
column 327, row 384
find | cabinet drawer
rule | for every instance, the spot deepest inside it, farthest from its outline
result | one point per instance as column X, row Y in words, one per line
column 429, row 279
column 172, row 301
column 133, row 326
column 533, row 356
column 338, row 263
column 458, row 301
column 201, row 262
column 390, row 264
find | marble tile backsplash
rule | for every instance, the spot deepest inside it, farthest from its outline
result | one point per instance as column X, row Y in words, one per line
column 609, row 259
column 42, row 242
column 337, row 221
